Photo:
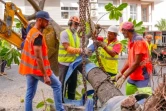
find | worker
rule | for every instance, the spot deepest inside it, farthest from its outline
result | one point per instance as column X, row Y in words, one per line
column 138, row 66
column 35, row 64
column 109, row 51
column 69, row 50
column 3, row 65
column 152, row 49
column 151, row 46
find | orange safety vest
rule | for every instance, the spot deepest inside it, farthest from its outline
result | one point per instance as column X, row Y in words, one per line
column 28, row 64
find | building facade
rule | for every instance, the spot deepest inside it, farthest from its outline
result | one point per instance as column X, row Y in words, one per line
column 61, row 10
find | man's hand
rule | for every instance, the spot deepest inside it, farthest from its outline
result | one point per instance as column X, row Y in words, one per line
column 118, row 76
column 120, row 82
column 47, row 80
column 101, row 44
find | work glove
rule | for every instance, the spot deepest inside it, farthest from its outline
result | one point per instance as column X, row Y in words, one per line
column 100, row 44
column 118, row 76
column 120, row 81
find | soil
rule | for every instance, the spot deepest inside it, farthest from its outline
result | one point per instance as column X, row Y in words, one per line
column 12, row 92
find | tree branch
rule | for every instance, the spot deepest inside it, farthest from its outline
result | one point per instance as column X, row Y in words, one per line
column 30, row 17
column 36, row 8
column 41, row 4
column 34, row 5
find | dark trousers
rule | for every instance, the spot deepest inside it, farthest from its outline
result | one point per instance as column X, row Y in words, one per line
column 3, row 65
column 71, row 83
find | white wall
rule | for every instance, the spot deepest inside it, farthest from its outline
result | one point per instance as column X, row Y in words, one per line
column 159, row 12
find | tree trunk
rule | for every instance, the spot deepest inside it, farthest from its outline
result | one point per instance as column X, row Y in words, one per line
column 107, row 89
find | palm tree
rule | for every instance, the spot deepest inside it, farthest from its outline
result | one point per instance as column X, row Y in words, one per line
column 161, row 25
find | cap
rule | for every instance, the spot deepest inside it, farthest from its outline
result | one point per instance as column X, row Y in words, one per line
column 43, row 14
column 113, row 29
column 128, row 26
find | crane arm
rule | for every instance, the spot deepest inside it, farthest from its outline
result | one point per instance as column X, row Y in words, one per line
column 10, row 11
column 14, row 38
column 6, row 31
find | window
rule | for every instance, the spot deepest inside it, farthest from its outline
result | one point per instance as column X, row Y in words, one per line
column 67, row 12
column 144, row 14
column 133, row 11
column 65, row 15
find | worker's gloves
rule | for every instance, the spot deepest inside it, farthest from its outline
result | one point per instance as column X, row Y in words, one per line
column 101, row 44
column 118, row 76
column 120, row 81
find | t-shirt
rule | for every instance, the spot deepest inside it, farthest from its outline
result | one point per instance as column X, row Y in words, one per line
column 117, row 48
column 64, row 37
column 38, row 41
column 138, row 46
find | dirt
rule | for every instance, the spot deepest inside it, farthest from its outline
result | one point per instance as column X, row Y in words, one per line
column 12, row 92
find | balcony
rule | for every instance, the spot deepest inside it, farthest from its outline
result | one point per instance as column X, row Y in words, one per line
column 153, row 0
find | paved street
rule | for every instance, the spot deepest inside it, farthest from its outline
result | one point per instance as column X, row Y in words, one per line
column 11, row 92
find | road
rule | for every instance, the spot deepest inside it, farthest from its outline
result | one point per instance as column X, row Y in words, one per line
column 12, row 92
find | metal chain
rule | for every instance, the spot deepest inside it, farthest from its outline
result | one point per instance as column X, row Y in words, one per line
column 94, row 37
column 82, row 14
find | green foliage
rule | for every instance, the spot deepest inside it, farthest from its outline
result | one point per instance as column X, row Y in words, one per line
column 79, row 83
column 18, row 23
column 45, row 104
column 161, row 25
column 93, row 58
column 9, row 53
column 49, row 100
column 124, row 44
column 137, row 26
column 115, row 12
column 40, row 104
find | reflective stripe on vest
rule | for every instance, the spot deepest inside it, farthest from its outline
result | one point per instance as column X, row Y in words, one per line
column 63, row 55
column 32, row 56
column 28, row 64
column 32, row 66
column 110, row 64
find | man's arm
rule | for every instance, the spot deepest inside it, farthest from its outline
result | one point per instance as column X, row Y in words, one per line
column 110, row 52
column 70, row 49
column 134, row 65
column 115, row 50
column 158, row 54
column 64, row 39
column 39, row 59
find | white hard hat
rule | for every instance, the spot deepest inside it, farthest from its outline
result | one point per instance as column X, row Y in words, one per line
column 113, row 28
